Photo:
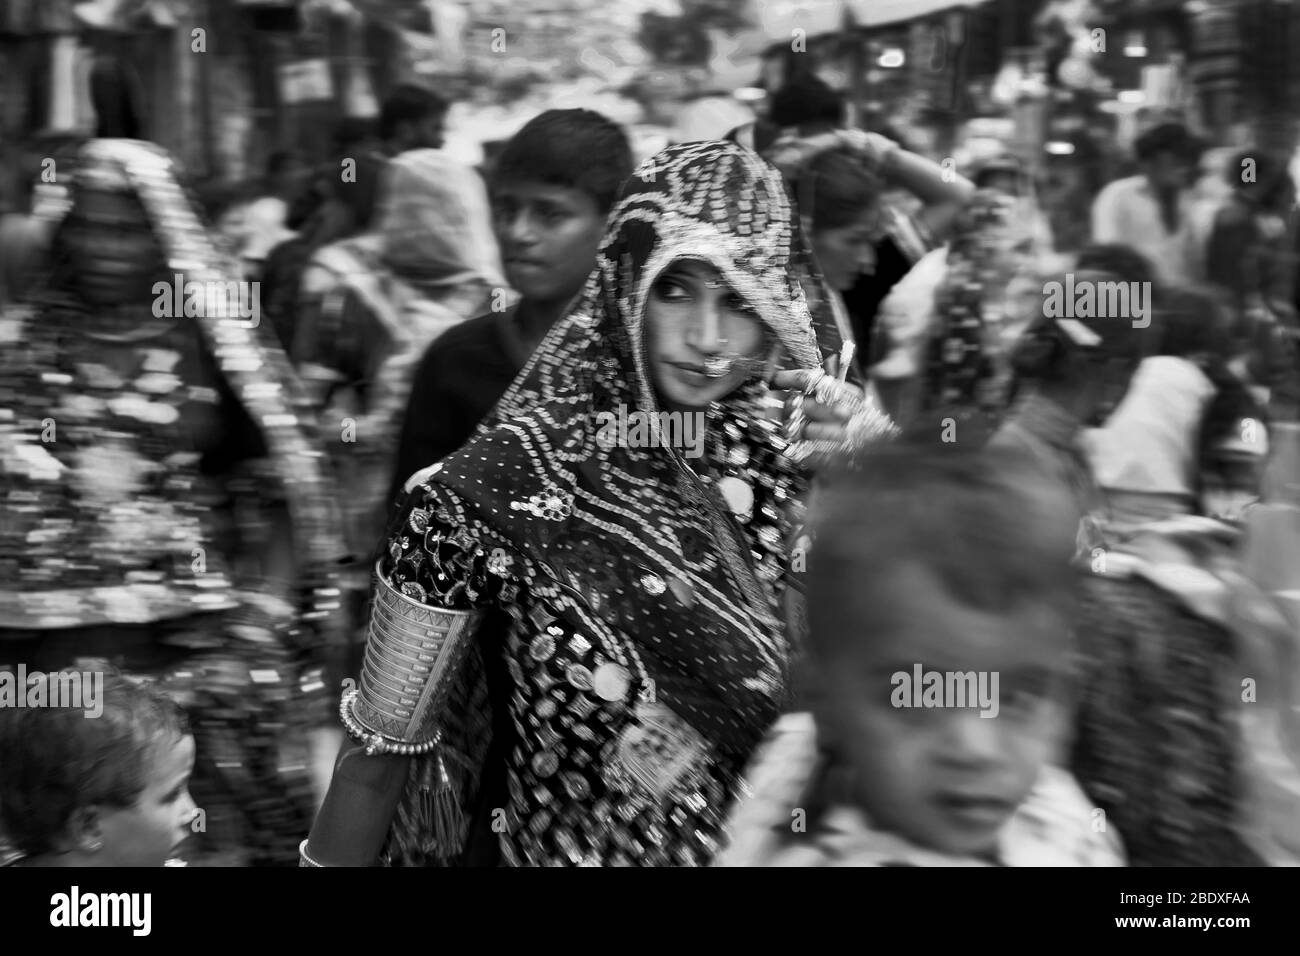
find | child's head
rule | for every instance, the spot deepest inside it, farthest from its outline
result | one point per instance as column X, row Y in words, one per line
column 953, row 563
column 111, row 790
column 553, row 184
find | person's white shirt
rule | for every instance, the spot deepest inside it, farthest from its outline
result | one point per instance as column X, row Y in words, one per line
column 1126, row 212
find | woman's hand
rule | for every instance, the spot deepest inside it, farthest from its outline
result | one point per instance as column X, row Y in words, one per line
column 829, row 420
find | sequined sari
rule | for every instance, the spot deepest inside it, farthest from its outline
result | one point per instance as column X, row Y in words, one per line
column 111, row 549
column 643, row 645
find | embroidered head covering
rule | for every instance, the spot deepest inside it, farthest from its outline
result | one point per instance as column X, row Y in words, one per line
column 636, row 542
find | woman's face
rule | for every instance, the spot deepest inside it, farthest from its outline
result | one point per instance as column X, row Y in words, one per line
column 115, row 255
column 846, row 252
column 702, row 340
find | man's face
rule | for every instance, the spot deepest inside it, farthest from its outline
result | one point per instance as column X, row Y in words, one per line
column 548, row 237
column 427, row 133
column 1171, row 171
column 946, row 777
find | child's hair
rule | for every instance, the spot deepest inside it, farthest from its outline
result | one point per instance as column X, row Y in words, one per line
column 841, row 189
column 994, row 532
column 408, row 103
column 58, row 759
column 576, row 148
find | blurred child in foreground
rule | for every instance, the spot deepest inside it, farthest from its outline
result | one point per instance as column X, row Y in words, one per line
column 957, row 561
column 112, row 791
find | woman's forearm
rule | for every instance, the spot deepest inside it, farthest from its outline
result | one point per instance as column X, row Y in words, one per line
column 942, row 192
column 926, row 179
column 354, row 820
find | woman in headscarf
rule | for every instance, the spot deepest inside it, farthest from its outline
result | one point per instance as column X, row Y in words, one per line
column 376, row 303
column 852, row 187
column 578, row 629
column 149, row 439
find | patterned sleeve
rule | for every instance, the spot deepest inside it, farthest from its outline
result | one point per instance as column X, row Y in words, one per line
column 433, row 557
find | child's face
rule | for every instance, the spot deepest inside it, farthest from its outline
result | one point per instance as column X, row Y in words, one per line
column 150, row 830
column 548, row 237
column 946, row 777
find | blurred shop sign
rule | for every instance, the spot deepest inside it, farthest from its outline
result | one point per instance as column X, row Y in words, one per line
column 875, row 13
column 781, row 19
column 306, row 80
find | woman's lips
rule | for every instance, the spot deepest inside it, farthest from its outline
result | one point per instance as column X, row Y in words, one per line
column 693, row 375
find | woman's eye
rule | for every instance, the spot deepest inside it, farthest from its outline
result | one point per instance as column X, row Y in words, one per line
column 670, row 290
column 736, row 304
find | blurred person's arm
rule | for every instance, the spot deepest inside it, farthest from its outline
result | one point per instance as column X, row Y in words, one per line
column 942, row 192
column 354, row 819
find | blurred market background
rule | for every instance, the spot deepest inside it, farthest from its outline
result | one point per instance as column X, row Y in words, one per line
column 1065, row 82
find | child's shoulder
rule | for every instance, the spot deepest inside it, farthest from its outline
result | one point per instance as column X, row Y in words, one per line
column 1057, row 825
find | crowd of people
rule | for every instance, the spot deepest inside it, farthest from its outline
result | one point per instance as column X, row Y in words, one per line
column 373, row 514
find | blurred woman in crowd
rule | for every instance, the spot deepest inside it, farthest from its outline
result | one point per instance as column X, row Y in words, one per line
column 155, row 466
column 863, row 243
column 602, row 605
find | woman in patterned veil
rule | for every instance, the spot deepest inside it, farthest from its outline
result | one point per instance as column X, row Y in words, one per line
column 577, row 632
column 138, row 425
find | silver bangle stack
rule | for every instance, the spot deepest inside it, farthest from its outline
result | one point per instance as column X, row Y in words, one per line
column 376, row 744
column 413, row 653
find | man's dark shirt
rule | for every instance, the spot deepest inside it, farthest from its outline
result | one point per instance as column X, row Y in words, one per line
column 863, row 300
column 459, row 380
